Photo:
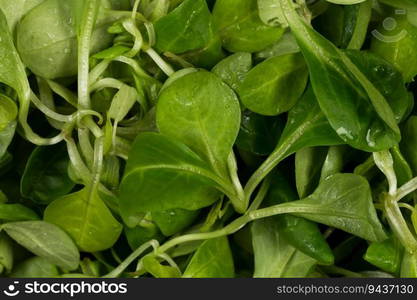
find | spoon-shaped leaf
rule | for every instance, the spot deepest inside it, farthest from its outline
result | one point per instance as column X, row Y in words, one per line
column 86, row 219
column 201, row 111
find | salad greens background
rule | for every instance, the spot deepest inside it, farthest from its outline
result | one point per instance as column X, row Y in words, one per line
column 218, row 138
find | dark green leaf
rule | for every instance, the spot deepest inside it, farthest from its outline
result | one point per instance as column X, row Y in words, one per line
column 173, row 221
column 289, row 227
column 234, row 68
column 386, row 255
column 275, row 85
column 308, row 165
column 240, row 27
column 45, row 177
column 342, row 90
column 259, row 134
column 16, row 212
column 186, row 28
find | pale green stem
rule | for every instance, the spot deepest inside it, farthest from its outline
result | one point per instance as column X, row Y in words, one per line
column 106, row 83
column 406, row 189
column 385, row 163
column 162, row 64
column 260, row 196
column 84, row 44
column 398, row 224
column 131, row 258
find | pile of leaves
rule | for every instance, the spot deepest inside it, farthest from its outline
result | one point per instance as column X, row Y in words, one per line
column 194, row 138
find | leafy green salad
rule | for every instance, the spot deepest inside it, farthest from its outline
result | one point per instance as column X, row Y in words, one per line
column 208, row 138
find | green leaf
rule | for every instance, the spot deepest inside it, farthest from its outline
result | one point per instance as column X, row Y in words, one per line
column 173, row 221
column 386, row 78
column 409, row 4
column 201, row 111
column 240, row 27
column 213, row 259
column 139, row 235
column 289, row 227
column 345, row 25
column 155, row 9
column 154, row 159
column 16, row 212
column 6, row 252
column 8, row 111
column 334, row 161
column 286, row 45
column 6, row 136
column 346, row 2
column 15, row 10
column 342, row 90
column 234, row 68
column 35, row 267
column 45, row 177
column 93, row 227
column 409, row 143
column 45, row 240
column 186, row 28
column 271, row 14
column 344, row 201
column 12, row 72
column 414, row 218
column 209, row 55
column 275, row 85
column 274, row 256
column 122, row 103
column 386, row 255
column 308, row 164
column 259, row 134
column 307, row 126
column 402, row 168
column 396, row 45
column 47, row 38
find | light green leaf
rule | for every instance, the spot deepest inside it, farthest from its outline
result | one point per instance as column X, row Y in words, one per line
column 92, row 227
column 240, row 27
column 213, row 259
column 201, row 111
column 344, row 201
column 274, row 257
column 233, row 68
column 45, row 240
column 275, row 85
column 35, row 267
column 156, row 159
